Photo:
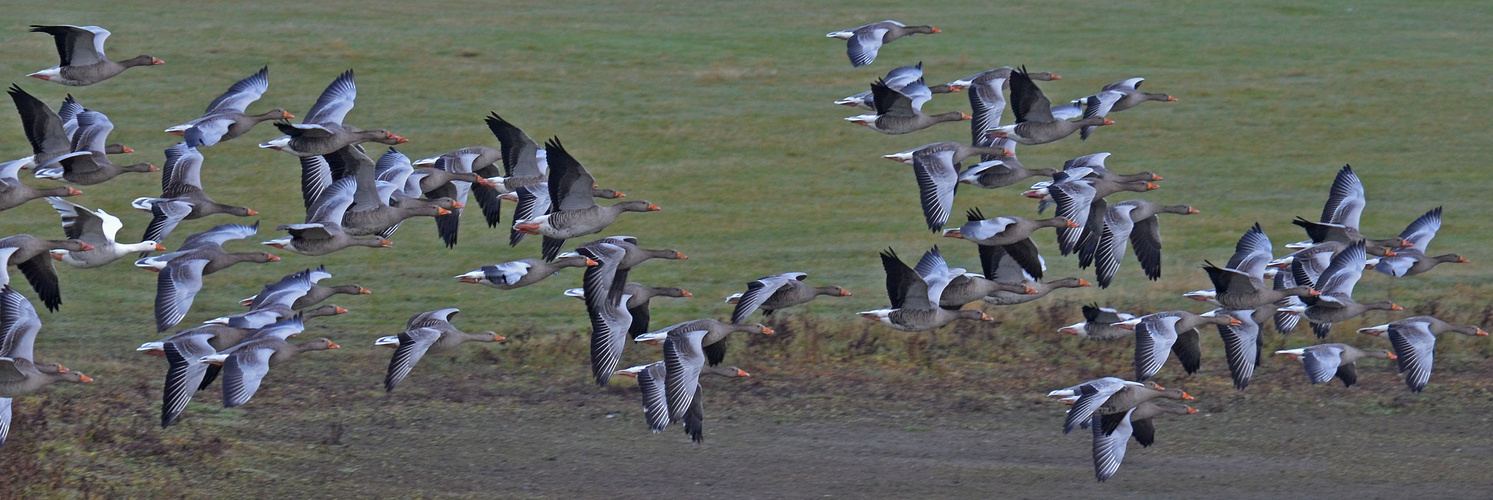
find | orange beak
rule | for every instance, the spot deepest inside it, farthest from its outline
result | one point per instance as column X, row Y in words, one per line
column 1395, row 307
column 1191, row 410
column 1008, row 153
column 442, row 211
column 153, row 168
column 86, row 247
column 1171, row 99
column 398, row 139
column 274, row 259
column 936, row 30
column 1193, row 211
column 621, row 194
column 680, row 256
column 333, row 345
column 1462, row 260
column 742, row 373
column 986, row 317
column 156, row 62
column 127, row 149
column 252, row 212
column 591, row 263
column 844, row 293
column 686, row 293
column 84, row 378
column 767, row 330
column 1481, row 333
column 1072, row 224
column 1084, row 283
column 455, row 204
column 1150, row 186
column 73, row 191
column 1156, row 178
column 1186, row 396
column 963, row 116
column 498, row 338
column 385, row 243
column 1158, row 386
column 1235, row 322
column 364, row 291
column 1389, row 253
column 1392, row 356
column 286, row 115
column 1056, row 77
column 1108, row 121
column 339, row 310
column 1030, row 291
column 159, row 247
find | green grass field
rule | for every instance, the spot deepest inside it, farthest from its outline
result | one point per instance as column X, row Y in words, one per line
column 721, row 114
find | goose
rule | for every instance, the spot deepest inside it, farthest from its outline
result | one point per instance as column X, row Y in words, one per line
column 182, row 197
column 322, row 233
column 986, row 101
column 970, row 287
column 185, row 373
column 651, row 379
column 1011, row 234
column 914, row 298
column 1098, row 324
column 525, row 164
column 1334, row 301
column 937, row 178
column 369, row 213
column 1341, row 214
column 779, row 291
column 68, row 113
column 535, row 200
column 33, row 256
column 227, row 116
column 1035, row 123
column 453, row 177
column 181, row 272
column 1081, row 198
column 1414, row 343
column 20, row 376
column 716, row 332
column 634, row 254
column 97, row 229
column 314, row 293
column 901, row 111
column 1170, row 331
column 1110, row 395
column 862, row 43
column 1241, row 283
column 1134, row 220
column 44, row 129
column 961, row 151
column 1413, row 260
column 684, row 360
column 1004, row 269
column 1324, row 361
column 895, row 79
column 88, row 164
column 246, row 364
column 278, row 301
column 425, row 332
column 322, row 132
column 382, row 205
column 1112, row 433
column 521, row 273
column 1132, row 95
column 1241, row 342
column 638, row 298
column 573, row 211
column 606, row 297
column 1000, row 173
column 14, row 194
column 1097, row 105
column 81, row 50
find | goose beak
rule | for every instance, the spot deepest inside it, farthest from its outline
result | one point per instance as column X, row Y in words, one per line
column 338, row 310
column 953, row 233
column 1481, row 333
column 1191, row 410
column 364, row 291
column 1072, row 224
column 274, row 259
column 333, row 345
column 1158, row 386
column 1389, row 253
column 498, row 338
column 153, row 168
column 86, row 247
column 686, row 293
column 844, row 293
column 1392, row 355
column 1055, row 77
column 1314, row 293
column 63, row 369
column 936, row 30
column 128, row 149
column 1395, row 307
column 621, row 195
column 1008, row 152
column 456, row 204
column 1151, row 186
column 385, row 243
column 680, row 256
column 1462, row 260
column 84, row 378
column 653, row 208
column 963, row 116
column 527, row 228
column 1108, row 121
column 1084, row 283
column 742, row 373
column 986, row 317
column 442, row 211
column 159, row 247
column 73, row 191
column 285, row 115
column 1171, row 99
column 1235, row 322
column 1030, row 291
column 767, row 330
column 397, row 139
column 1186, row 396
column 156, row 61
column 251, row 212
column 591, row 263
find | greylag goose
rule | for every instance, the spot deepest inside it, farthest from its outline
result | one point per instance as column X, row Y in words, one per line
column 651, row 379
column 96, row 228
column 716, row 332
column 1241, row 283
column 1136, row 221
column 970, row 287
column 1335, row 286
column 20, row 376
column 1011, row 235
column 1414, row 342
column 1098, row 324
column 81, row 50
column 33, row 256
column 1079, row 194
column 453, row 177
column 573, row 210
column 14, row 194
column 1324, row 361
column 424, row 332
column 185, row 373
column 314, row 293
column 322, row 232
column 634, row 254
column 986, row 101
column 1002, row 268
column 862, row 43
column 1035, row 123
column 88, row 164
column 895, row 79
column 915, row 299
column 246, row 364
column 1341, row 214
column 182, row 197
column 780, row 291
column 604, row 287
column 278, row 301
column 1112, row 433
column 227, row 116
column 1000, row 173
column 901, row 111
column 1175, row 332
column 322, row 132
column 1132, row 95
column 1108, row 396
column 535, row 200
column 685, row 358
column 521, row 273
column 370, row 213
column 1413, row 260
column 638, row 298
column 68, row 113
column 181, row 274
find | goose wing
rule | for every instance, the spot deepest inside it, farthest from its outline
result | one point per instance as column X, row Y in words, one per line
column 412, row 346
column 759, row 290
column 241, row 94
column 1415, row 350
column 335, row 101
column 176, row 286
column 937, row 180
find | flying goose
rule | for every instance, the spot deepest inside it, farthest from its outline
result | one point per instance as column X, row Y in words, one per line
column 895, row 79
column 1011, row 234
column 314, row 293
column 424, row 332
column 1174, row 332
column 1112, row 433
column 81, row 50
column 1242, row 342
column 227, row 116
column 1001, row 267
column 716, row 332
column 780, row 291
column 33, row 256
column 1324, row 361
column 684, row 360
column 1334, row 301
column 1108, row 396
column 1414, row 342
column 181, row 274
column 1136, row 221
column 915, row 294
column 606, row 296
column 1340, row 216
column 14, row 194
column 246, row 364
column 87, row 164
column 1413, row 260
column 322, row 131
column 651, row 379
column 986, row 100
column 44, row 129
column 19, row 373
column 1241, row 283
column 901, row 111
column 638, row 298
column 1132, row 95
column 97, row 229
column 1035, row 123
column 322, row 233
column 573, row 211
column 521, row 273
column 862, row 43
column 182, row 197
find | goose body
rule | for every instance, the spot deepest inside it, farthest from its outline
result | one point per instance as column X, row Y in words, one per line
column 81, row 50
column 864, row 42
column 96, row 228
